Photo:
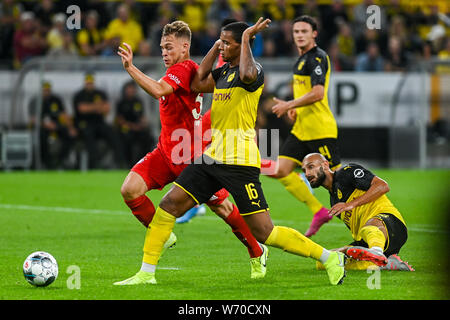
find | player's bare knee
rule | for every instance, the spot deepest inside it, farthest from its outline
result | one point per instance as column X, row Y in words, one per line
column 176, row 202
column 261, row 231
column 128, row 192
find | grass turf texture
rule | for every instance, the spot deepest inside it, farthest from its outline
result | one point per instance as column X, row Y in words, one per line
column 100, row 236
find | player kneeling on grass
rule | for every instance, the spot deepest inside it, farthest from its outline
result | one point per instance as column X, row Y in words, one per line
column 358, row 198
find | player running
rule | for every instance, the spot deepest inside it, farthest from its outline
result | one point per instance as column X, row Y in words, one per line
column 232, row 160
column 358, row 198
column 180, row 114
column 315, row 128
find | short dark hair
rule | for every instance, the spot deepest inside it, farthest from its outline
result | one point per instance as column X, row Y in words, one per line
column 308, row 19
column 227, row 21
column 237, row 29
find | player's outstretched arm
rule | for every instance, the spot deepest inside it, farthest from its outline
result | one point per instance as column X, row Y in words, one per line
column 203, row 80
column 247, row 65
column 156, row 89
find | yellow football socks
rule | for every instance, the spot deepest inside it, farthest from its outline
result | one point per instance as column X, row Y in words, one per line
column 292, row 241
column 373, row 236
column 157, row 234
column 298, row 188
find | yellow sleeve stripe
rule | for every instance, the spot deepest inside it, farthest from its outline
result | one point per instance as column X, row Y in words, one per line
column 190, row 194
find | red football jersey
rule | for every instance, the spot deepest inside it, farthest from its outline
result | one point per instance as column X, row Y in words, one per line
column 180, row 114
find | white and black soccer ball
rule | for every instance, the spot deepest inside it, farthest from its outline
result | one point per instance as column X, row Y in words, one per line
column 40, row 269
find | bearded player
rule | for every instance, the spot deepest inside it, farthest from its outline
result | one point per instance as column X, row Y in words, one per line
column 180, row 114
column 358, row 198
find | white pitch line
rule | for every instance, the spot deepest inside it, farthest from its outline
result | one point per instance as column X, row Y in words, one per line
column 59, row 209
column 415, row 227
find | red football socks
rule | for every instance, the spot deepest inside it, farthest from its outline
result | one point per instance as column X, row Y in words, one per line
column 243, row 233
column 142, row 208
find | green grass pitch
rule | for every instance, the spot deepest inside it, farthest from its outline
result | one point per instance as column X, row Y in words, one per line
column 80, row 218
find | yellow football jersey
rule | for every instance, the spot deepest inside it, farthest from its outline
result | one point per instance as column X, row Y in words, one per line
column 351, row 182
column 233, row 115
column 315, row 121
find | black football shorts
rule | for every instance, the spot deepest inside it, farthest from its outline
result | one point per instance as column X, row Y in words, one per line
column 202, row 180
column 295, row 150
column 397, row 234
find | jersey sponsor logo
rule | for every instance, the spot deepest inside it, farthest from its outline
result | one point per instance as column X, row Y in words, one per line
column 299, row 82
column 358, row 173
column 318, row 59
column 300, row 65
column 318, row 70
column 231, row 77
column 346, row 218
column 222, row 96
column 174, row 78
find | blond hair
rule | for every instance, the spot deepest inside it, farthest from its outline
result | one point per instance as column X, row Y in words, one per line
column 179, row 29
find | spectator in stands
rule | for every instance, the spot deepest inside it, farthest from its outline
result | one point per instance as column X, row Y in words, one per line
column 219, row 10
column 44, row 11
column 208, row 38
column 444, row 54
column 282, row 38
column 90, row 108
column 57, row 133
column 338, row 61
column 280, row 10
column 9, row 17
column 55, row 35
column 67, row 50
column 193, row 13
column 28, row 39
column 123, row 29
column 132, row 124
column 311, row 8
column 396, row 59
column 345, row 40
column 332, row 16
column 145, row 49
column 371, row 60
column 253, row 10
column 167, row 10
column 368, row 36
column 89, row 39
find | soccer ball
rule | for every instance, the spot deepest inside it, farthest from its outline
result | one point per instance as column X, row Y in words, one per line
column 40, row 269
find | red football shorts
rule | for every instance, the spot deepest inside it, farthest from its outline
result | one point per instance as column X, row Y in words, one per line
column 158, row 171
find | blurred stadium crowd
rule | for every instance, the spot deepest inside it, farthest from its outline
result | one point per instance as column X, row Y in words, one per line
column 410, row 30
